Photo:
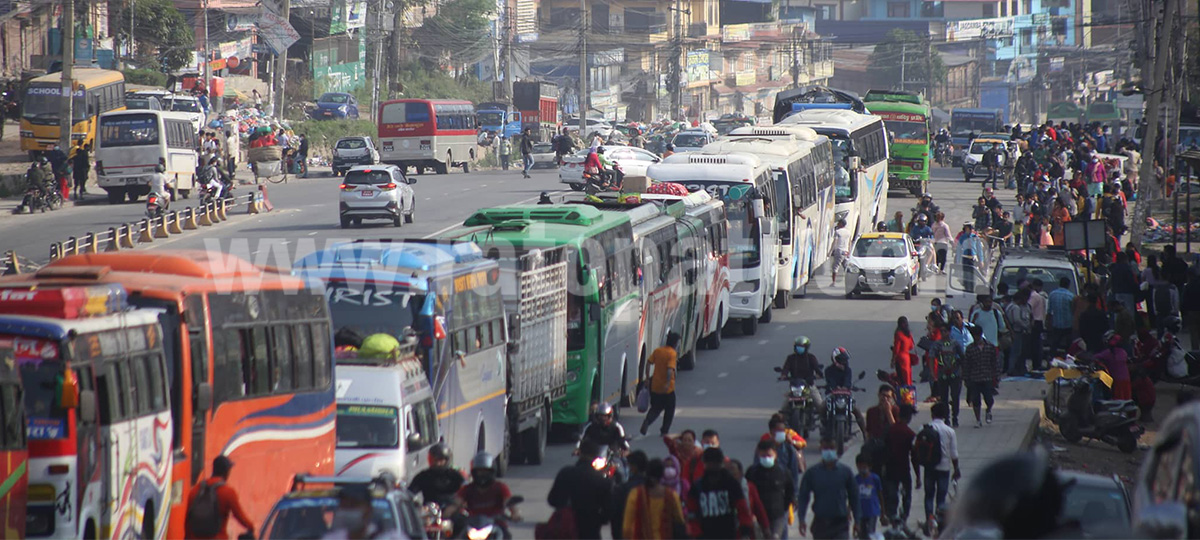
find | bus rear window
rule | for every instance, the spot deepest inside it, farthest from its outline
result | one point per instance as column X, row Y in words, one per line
column 129, row 130
column 401, row 113
column 41, row 370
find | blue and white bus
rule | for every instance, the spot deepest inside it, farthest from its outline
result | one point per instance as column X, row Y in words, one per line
column 449, row 295
column 860, row 156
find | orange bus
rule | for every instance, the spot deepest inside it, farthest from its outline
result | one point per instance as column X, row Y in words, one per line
column 250, row 369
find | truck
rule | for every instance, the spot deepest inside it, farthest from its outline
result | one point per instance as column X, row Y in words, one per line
column 498, row 117
column 537, row 101
column 533, row 285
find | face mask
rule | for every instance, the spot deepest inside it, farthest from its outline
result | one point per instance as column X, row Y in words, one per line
column 483, row 479
column 767, row 461
column 698, row 445
column 933, row 308
column 670, row 473
column 828, row 455
column 801, row 350
column 347, row 520
column 780, row 436
column 706, row 446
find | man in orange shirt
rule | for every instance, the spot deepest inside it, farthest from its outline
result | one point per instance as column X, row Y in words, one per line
column 227, row 503
column 662, row 385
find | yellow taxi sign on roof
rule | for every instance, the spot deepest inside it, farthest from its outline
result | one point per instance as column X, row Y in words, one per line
column 979, row 139
column 895, row 235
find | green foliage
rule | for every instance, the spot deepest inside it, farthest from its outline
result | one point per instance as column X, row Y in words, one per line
column 463, row 16
column 322, row 134
column 422, row 82
column 904, row 47
column 148, row 77
column 458, row 32
column 160, row 26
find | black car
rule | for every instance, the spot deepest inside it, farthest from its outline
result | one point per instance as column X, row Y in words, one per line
column 1099, row 504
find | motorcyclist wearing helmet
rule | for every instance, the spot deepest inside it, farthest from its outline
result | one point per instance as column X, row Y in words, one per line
column 927, row 207
column 839, row 374
column 801, row 366
column 604, row 430
column 485, row 496
column 158, row 186
column 439, row 483
column 943, row 136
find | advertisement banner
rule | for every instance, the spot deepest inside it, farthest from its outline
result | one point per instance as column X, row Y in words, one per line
column 745, row 78
column 276, row 31
column 697, row 66
column 347, row 15
column 733, row 33
column 979, row 29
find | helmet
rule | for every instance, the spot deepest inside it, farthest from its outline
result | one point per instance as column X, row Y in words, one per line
column 440, row 451
column 1112, row 338
column 379, row 346
column 801, row 342
column 483, row 460
column 43, row 160
column 921, row 217
column 840, row 355
column 604, row 409
column 987, row 190
column 160, row 168
column 926, row 196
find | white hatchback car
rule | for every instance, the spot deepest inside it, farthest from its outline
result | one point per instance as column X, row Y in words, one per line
column 883, row 262
column 188, row 105
column 633, row 161
column 376, row 192
column 692, row 140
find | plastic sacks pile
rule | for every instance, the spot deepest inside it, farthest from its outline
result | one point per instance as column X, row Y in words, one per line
column 1160, row 232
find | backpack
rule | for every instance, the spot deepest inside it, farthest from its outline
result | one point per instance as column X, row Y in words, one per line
column 947, row 358
column 204, row 513
column 927, row 447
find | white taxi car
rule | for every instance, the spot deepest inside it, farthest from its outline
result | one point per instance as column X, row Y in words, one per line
column 883, row 263
column 633, row 161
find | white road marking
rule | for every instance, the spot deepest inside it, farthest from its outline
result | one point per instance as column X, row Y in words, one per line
column 722, row 375
column 314, row 233
column 763, row 341
column 743, row 358
column 701, row 392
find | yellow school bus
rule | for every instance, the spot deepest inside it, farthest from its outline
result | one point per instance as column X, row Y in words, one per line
column 96, row 91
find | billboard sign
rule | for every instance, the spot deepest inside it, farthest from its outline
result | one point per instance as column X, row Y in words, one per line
column 979, row 29
column 697, row 66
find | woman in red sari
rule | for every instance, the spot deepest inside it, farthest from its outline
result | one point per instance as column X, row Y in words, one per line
column 902, row 346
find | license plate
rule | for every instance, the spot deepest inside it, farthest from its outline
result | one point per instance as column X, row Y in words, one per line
column 133, row 181
column 327, row 113
column 426, row 146
column 367, row 193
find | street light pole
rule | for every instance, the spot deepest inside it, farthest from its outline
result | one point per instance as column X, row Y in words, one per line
column 65, row 115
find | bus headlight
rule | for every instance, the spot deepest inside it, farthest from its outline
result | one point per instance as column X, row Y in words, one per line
column 746, row 286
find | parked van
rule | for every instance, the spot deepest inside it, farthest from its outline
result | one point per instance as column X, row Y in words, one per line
column 386, row 416
column 129, row 144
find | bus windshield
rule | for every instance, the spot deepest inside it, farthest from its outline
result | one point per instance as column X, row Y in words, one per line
column 128, row 130
column 491, row 118
column 185, row 105
column 367, row 426
column 42, row 103
column 964, row 125
column 41, row 373
column 908, row 132
column 368, row 310
column 745, row 244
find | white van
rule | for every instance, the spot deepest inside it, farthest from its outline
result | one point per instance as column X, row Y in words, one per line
column 129, row 144
column 386, row 418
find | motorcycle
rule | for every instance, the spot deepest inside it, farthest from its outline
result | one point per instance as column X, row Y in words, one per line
column 156, row 207
column 941, row 154
column 208, row 195
column 840, row 413
column 479, row 527
column 612, row 465
column 606, row 180
column 436, row 527
column 1074, row 406
column 46, row 198
column 799, row 406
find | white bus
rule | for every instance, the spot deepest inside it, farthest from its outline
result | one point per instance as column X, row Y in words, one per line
column 129, row 144
column 860, row 152
column 744, row 183
column 98, row 411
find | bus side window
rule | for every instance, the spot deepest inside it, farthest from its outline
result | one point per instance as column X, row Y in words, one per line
column 256, row 362
column 158, row 393
column 107, row 395
column 281, row 360
column 126, row 399
column 141, row 383
column 323, row 367
column 302, row 357
column 227, row 365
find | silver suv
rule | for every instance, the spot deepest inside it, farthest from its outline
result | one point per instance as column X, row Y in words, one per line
column 376, row 192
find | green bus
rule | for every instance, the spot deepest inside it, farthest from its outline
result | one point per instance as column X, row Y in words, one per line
column 907, row 118
column 604, row 305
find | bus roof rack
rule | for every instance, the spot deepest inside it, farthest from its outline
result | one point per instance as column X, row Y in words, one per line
column 899, row 96
column 570, row 214
column 815, row 94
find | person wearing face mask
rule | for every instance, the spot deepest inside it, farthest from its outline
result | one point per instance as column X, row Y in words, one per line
column 834, row 495
column 484, row 496
column 354, row 517
column 775, row 486
column 761, row 523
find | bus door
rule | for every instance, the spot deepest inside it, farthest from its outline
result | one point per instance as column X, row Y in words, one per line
column 690, row 234
column 201, row 390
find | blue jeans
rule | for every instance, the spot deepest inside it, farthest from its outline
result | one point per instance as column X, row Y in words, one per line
column 1016, row 354
column 779, row 528
column 937, row 484
column 527, row 163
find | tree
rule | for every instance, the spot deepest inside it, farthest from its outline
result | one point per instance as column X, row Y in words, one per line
column 157, row 25
column 461, row 30
column 904, row 48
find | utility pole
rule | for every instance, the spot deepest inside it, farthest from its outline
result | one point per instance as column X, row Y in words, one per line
column 795, row 63
column 1153, row 88
column 207, row 55
column 280, row 60
column 929, row 70
column 903, row 62
column 585, row 104
column 677, row 62
column 65, row 115
column 509, row 38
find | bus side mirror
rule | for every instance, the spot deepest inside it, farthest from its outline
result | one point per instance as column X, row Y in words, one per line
column 68, row 394
column 413, row 442
column 594, row 312
column 87, row 406
column 204, row 396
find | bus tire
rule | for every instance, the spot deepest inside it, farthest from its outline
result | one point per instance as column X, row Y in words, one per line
column 148, row 520
column 781, row 299
column 440, row 168
column 750, row 326
column 767, row 316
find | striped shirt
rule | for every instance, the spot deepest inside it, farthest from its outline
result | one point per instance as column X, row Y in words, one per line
column 1059, row 308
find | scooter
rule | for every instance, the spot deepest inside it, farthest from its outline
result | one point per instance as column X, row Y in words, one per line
column 1072, row 404
column 477, row 527
column 606, row 180
column 799, row 406
column 156, row 207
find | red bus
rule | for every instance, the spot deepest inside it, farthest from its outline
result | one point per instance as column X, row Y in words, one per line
column 427, row 133
column 250, row 362
column 14, row 454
